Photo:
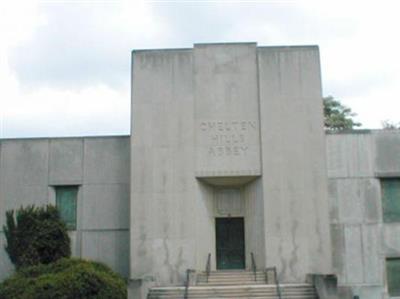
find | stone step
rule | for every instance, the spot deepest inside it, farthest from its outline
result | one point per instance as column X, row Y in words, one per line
column 232, row 273
column 223, row 278
column 229, row 283
column 245, row 274
column 237, row 297
column 229, row 295
column 288, row 291
column 249, row 296
column 235, row 293
column 231, row 277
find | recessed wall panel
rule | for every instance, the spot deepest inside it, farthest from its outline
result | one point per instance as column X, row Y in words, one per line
column 226, row 110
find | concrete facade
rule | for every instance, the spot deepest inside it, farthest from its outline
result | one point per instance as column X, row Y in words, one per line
column 211, row 129
column 219, row 131
column 362, row 240
column 31, row 168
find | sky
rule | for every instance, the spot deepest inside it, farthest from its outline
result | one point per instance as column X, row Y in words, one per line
column 65, row 65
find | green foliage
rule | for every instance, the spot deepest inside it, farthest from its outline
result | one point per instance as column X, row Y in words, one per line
column 390, row 125
column 66, row 279
column 337, row 116
column 35, row 235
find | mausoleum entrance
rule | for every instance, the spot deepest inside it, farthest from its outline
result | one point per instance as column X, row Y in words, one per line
column 231, row 227
column 230, row 243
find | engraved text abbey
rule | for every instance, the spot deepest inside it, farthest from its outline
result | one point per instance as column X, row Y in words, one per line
column 228, row 138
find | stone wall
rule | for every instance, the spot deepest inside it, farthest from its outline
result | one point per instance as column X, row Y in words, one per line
column 361, row 240
column 219, row 117
column 29, row 170
column 293, row 162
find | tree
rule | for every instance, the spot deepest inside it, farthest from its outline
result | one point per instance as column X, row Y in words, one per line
column 338, row 117
column 36, row 235
column 39, row 246
column 67, row 278
column 389, row 125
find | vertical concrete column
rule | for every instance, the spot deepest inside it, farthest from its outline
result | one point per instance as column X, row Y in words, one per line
column 162, row 238
column 293, row 161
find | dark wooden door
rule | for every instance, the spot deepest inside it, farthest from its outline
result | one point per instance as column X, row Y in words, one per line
column 230, row 243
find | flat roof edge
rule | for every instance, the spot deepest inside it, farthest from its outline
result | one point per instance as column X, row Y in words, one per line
column 363, row 131
column 228, row 44
column 62, row 137
column 289, row 47
column 224, row 43
column 160, row 50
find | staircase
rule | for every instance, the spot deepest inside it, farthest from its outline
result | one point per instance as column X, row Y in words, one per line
column 235, row 284
column 233, row 277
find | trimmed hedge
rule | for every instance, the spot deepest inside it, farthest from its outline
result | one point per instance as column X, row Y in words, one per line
column 64, row 279
column 36, row 235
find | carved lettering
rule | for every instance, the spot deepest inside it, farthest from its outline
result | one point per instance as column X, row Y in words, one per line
column 203, row 126
column 211, row 151
column 253, row 124
column 221, row 139
column 227, row 126
column 228, row 138
column 227, row 150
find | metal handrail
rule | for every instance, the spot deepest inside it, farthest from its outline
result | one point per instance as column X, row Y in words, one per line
column 278, row 288
column 208, row 266
column 253, row 266
column 187, row 282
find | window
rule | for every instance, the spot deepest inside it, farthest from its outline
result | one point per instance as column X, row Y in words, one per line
column 391, row 199
column 66, row 198
column 393, row 276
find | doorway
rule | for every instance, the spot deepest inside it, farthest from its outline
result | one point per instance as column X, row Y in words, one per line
column 230, row 243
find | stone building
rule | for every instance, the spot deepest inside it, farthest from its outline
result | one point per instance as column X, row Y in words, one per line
column 228, row 165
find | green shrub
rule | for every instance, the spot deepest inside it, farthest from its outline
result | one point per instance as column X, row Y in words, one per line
column 36, row 235
column 64, row 279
